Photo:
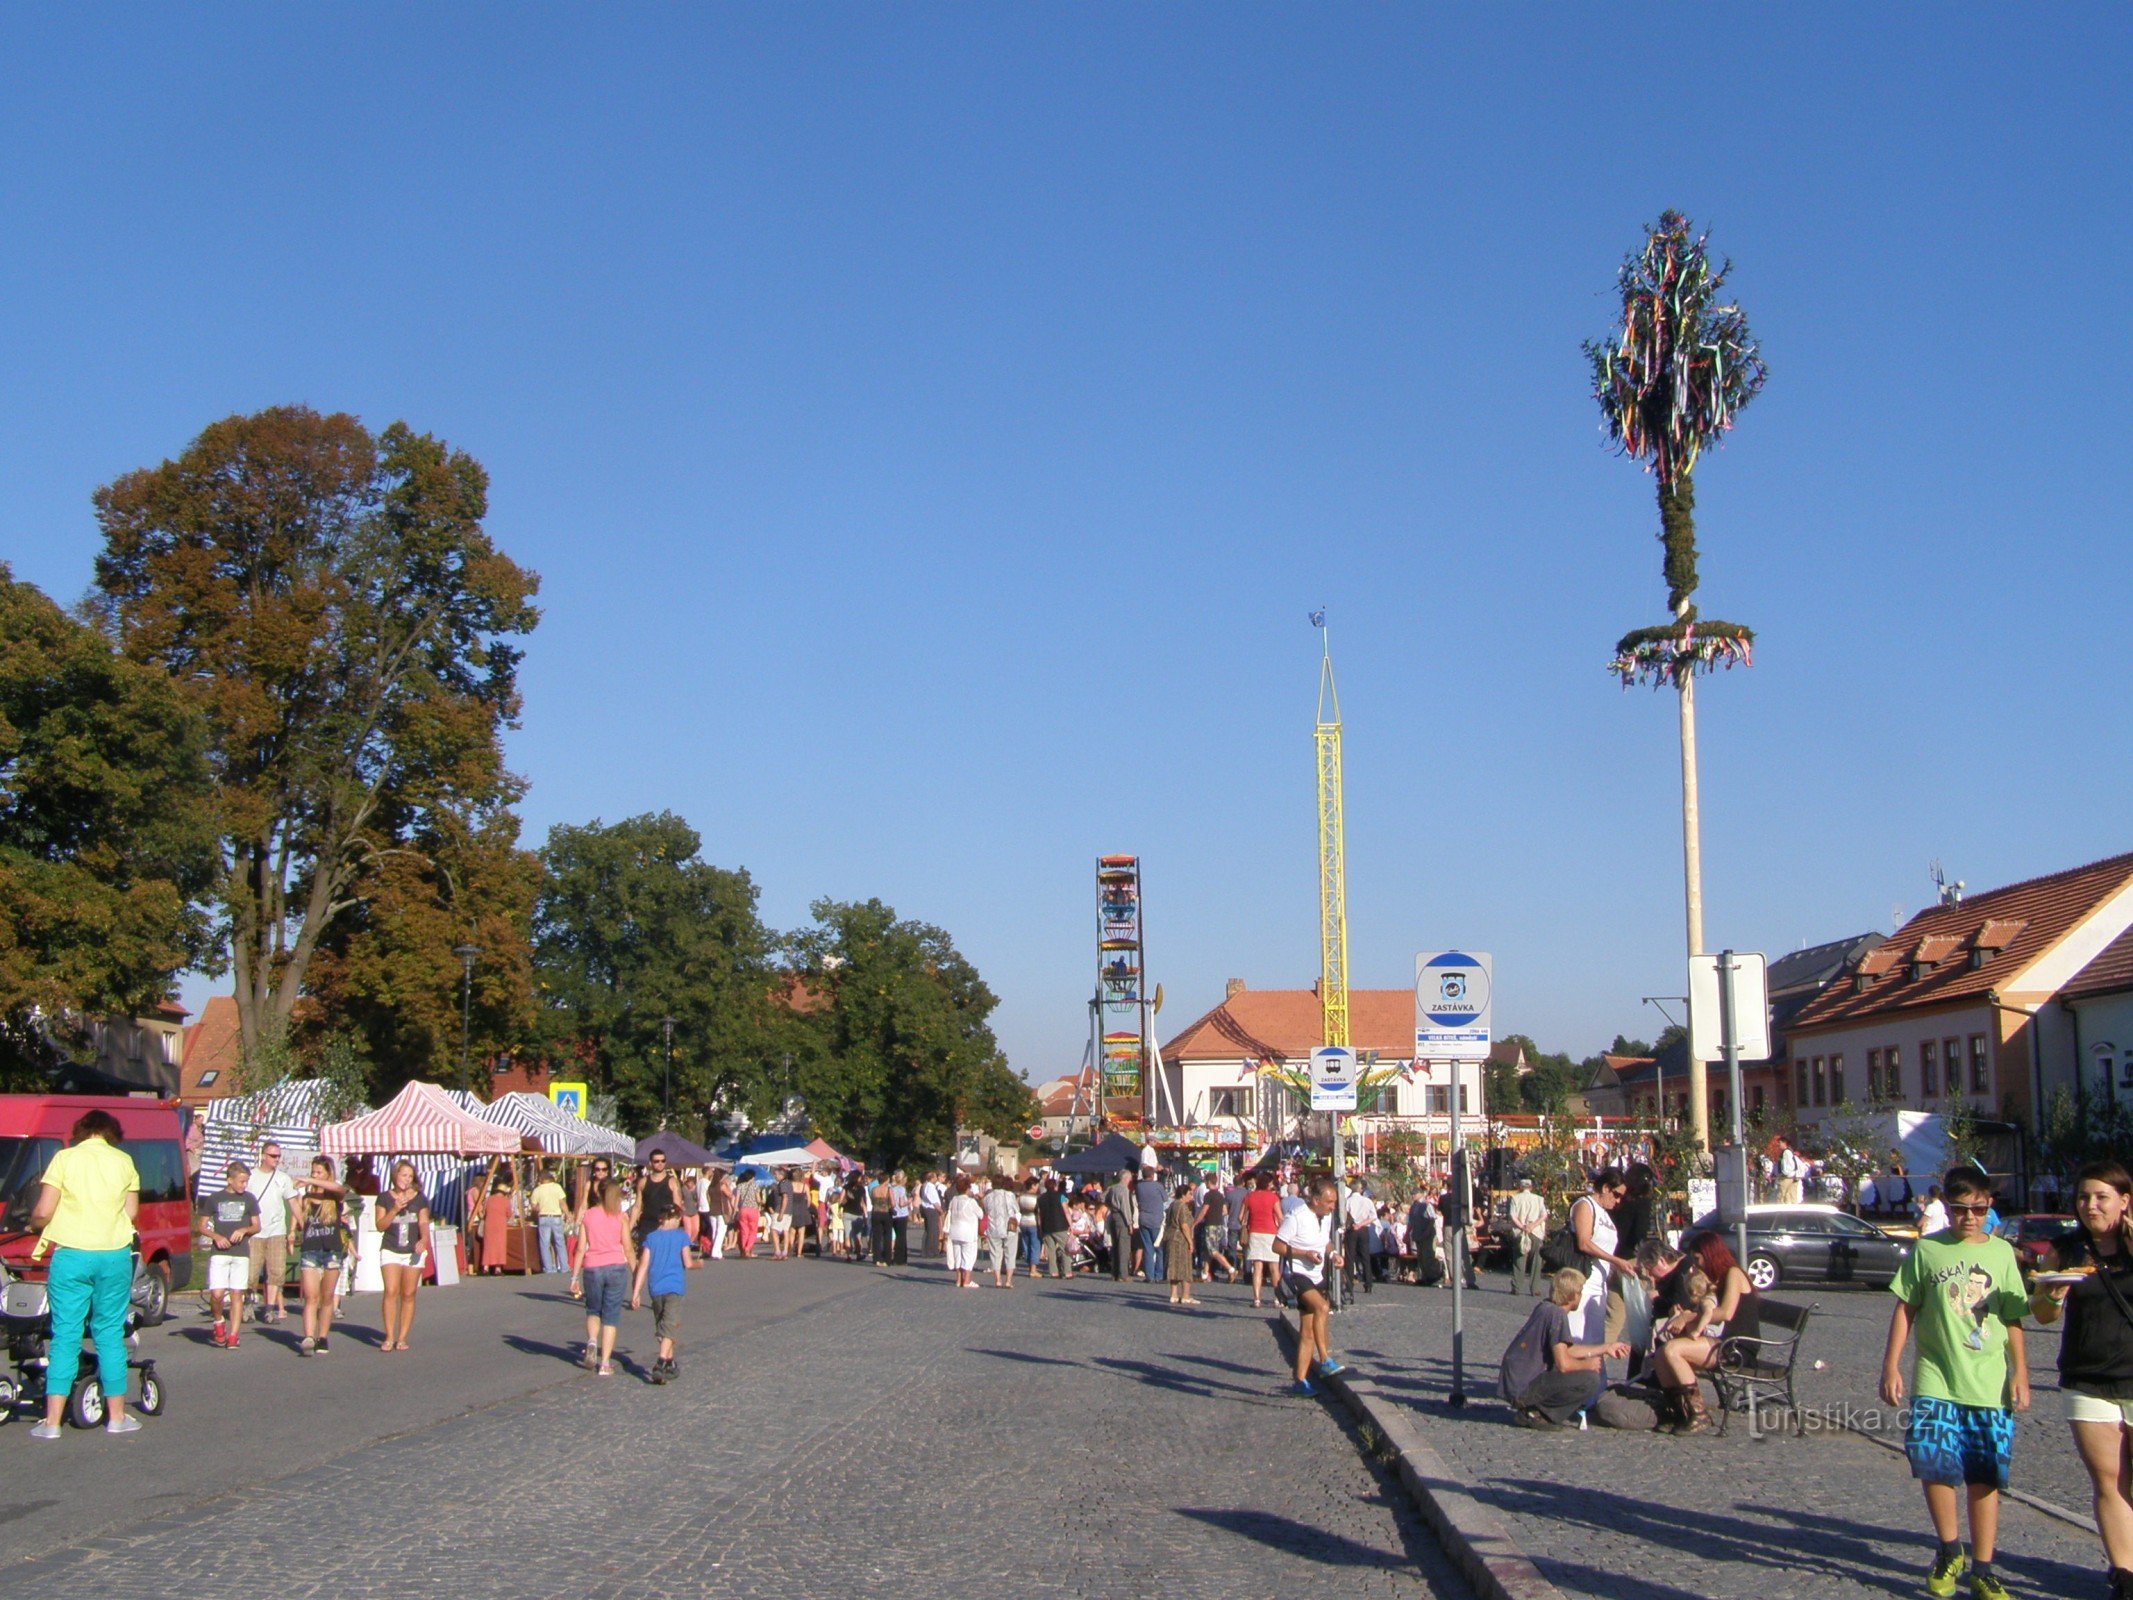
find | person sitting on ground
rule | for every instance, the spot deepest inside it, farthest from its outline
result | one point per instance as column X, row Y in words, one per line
column 1547, row 1377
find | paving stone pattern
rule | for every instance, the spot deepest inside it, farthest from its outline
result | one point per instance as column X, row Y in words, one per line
column 896, row 1438
column 1622, row 1515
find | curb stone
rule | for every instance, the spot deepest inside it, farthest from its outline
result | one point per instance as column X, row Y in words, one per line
column 1473, row 1535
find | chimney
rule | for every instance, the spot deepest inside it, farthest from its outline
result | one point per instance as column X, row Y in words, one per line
column 1233, row 988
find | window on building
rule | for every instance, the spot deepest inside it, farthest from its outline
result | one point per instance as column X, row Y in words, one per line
column 1928, row 1070
column 1755, row 1101
column 1873, row 1074
column 1440, row 1101
column 1800, row 1066
column 1980, row 1073
column 1892, row 1072
column 208, row 1077
column 1225, row 1102
column 1836, row 1080
column 1951, row 1066
column 1821, row 1082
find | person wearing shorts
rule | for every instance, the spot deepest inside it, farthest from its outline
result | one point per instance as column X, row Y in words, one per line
column 270, row 1186
column 403, row 1218
column 1306, row 1248
column 662, row 1268
column 605, row 1268
column 228, row 1219
column 1961, row 1288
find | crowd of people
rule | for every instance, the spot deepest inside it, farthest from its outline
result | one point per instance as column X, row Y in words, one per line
column 1633, row 1300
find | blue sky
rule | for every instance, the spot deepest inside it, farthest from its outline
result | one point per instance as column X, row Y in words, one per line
column 933, row 425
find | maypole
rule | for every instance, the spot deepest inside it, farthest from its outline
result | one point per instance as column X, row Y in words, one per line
column 1332, row 852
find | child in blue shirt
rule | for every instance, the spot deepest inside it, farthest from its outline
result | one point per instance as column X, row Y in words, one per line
column 662, row 1270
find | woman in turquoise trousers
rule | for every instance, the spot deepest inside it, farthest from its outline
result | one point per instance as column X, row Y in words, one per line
column 85, row 1208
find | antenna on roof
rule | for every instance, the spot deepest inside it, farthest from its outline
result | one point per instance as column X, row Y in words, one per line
column 1951, row 894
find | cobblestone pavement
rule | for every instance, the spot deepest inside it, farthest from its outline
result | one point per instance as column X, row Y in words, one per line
column 887, row 1436
column 1624, row 1515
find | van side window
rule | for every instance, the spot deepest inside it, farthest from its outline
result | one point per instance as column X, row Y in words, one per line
column 162, row 1168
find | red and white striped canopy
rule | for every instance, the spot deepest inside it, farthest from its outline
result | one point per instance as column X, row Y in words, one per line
column 419, row 1120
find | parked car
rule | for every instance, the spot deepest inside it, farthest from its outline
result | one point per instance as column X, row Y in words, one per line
column 33, row 1128
column 1815, row 1244
column 2034, row 1232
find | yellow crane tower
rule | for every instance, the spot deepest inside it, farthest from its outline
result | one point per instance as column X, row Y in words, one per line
column 1332, row 851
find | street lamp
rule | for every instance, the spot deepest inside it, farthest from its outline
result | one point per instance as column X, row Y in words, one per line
column 466, row 954
column 666, row 1087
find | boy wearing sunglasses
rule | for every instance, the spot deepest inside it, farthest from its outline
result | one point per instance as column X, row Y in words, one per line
column 1961, row 1289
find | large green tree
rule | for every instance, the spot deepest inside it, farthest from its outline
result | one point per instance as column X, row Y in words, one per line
column 331, row 604
column 633, row 926
column 902, row 1053
column 106, row 845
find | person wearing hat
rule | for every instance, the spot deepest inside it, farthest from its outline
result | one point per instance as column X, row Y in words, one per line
column 1529, row 1227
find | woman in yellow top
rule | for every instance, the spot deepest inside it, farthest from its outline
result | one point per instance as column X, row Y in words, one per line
column 85, row 1207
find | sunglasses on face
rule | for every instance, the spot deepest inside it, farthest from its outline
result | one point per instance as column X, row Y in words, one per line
column 1969, row 1211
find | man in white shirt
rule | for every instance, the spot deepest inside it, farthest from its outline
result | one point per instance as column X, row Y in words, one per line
column 932, row 1197
column 1791, row 1169
column 1360, row 1217
column 1305, row 1248
column 270, row 1186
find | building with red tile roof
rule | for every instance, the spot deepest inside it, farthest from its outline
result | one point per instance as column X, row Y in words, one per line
column 1212, row 1075
column 2099, row 1010
column 209, row 1068
column 1964, row 1000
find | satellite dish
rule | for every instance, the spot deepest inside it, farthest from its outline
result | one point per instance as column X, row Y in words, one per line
column 1158, row 997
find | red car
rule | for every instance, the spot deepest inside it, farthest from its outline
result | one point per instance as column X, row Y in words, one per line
column 2034, row 1232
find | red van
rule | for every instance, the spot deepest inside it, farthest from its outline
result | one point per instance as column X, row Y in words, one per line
column 35, row 1126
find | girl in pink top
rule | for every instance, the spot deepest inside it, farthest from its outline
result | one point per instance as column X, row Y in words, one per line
column 608, row 1259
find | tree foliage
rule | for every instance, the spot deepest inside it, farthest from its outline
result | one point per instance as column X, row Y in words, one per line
column 333, row 608
column 106, row 843
column 632, row 926
column 902, row 1054
column 390, row 974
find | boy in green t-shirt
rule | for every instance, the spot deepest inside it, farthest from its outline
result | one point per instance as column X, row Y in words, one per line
column 1962, row 1288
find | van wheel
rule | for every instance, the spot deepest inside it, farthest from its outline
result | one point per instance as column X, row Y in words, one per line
column 155, row 1295
column 85, row 1406
column 1763, row 1272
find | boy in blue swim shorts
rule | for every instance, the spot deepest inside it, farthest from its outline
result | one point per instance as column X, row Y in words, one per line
column 1962, row 1291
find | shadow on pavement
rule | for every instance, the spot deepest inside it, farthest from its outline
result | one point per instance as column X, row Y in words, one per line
column 1799, row 1542
column 1021, row 1355
column 1286, row 1533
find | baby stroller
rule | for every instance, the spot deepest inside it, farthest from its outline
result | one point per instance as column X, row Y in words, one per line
column 26, row 1328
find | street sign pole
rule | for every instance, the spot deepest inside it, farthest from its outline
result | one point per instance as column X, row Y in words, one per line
column 1729, row 1041
column 1336, row 1300
column 1462, row 1193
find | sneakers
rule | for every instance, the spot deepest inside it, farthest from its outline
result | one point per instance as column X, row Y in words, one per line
column 45, row 1430
column 1987, row 1586
column 591, row 1357
column 307, row 1346
column 126, row 1424
column 1536, row 1419
column 319, row 1348
column 664, row 1370
column 219, row 1335
column 1328, row 1367
column 1302, row 1386
column 1941, row 1581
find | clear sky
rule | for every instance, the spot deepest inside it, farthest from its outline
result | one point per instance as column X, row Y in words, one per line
column 934, row 424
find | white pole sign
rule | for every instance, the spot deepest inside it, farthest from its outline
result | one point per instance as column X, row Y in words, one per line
column 1751, row 1007
column 1452, row 1005
column 1332, row 1078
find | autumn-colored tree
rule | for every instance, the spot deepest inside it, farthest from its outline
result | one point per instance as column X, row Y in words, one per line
column 389, row 971
column 901, row 1054
column 332, row 606
column 106, row 849
column 633, row 926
